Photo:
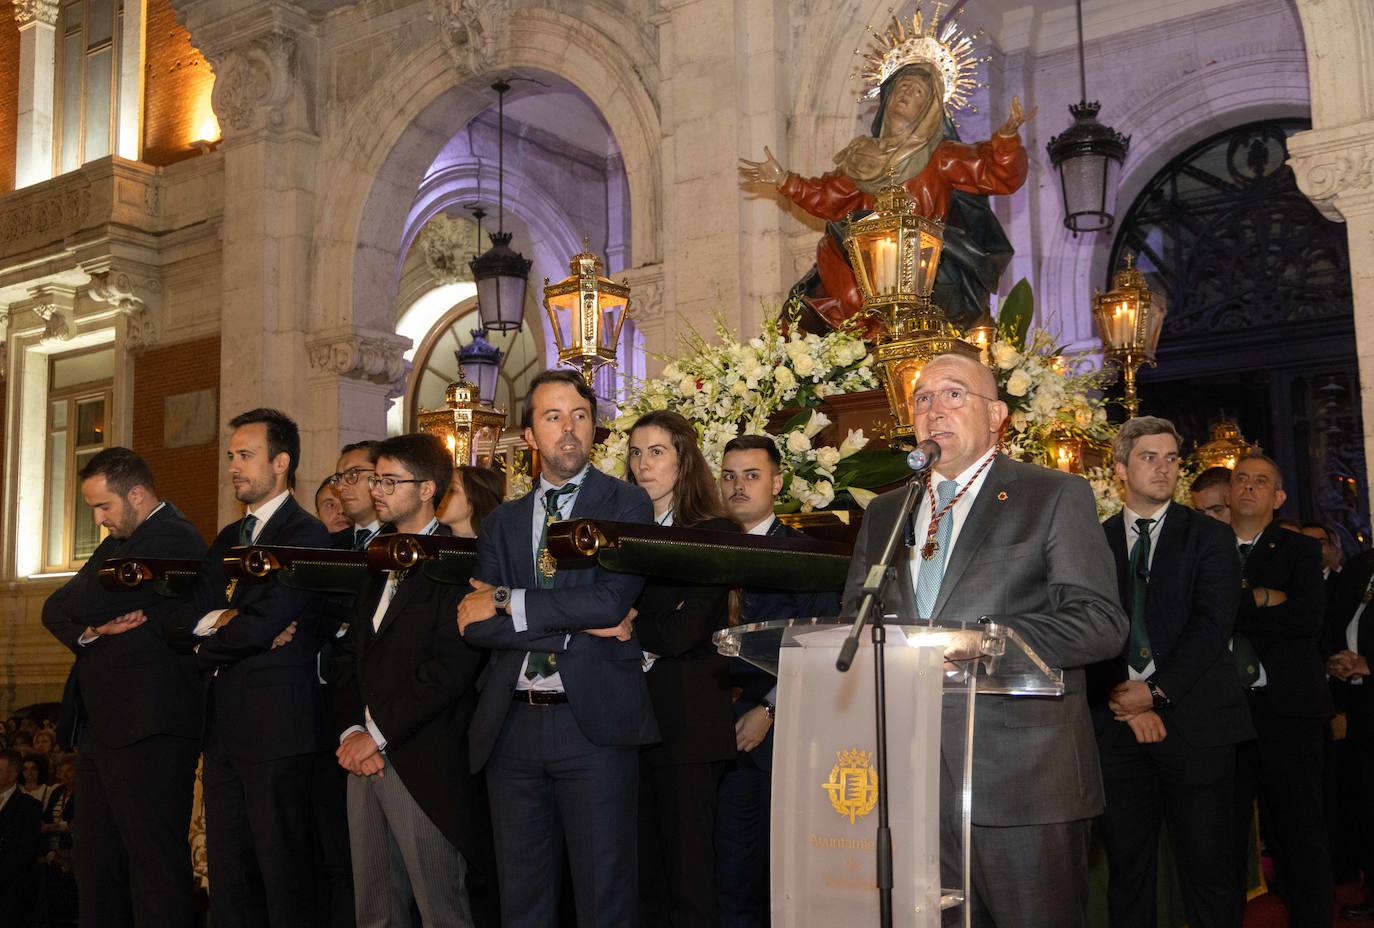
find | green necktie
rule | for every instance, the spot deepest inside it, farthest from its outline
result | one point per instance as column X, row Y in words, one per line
column 1247, row 658
column 1138, row 653
column 546, row 664
column 360, row 538
column 246, row 527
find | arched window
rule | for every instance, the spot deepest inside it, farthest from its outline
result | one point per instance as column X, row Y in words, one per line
column 1260, row 325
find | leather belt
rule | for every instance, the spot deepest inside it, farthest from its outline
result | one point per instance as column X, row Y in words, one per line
column 540, row 697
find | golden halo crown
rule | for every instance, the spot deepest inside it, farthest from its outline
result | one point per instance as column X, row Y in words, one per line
column 947, row 47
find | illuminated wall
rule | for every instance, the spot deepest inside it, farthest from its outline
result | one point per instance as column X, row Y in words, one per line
column 176, row 90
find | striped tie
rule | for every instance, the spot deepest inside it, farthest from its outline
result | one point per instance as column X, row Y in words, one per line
column 933, row 570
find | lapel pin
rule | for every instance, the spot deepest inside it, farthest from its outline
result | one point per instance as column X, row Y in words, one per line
column 1272, row 544
column 1002, row 497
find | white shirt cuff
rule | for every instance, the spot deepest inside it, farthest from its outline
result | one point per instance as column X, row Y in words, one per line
column 86, row 639
column 373, row 730
column 206, row 626
column 517, row 610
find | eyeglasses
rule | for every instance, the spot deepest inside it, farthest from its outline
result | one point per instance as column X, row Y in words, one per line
column 349, row 476
column 388, row 484
column 950, row 398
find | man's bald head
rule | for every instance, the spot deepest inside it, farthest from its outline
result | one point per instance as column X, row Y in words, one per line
column 955, row 404
column 974, row 372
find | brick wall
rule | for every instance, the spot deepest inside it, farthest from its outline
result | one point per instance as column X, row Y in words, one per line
column 9, row 97
column 176, row 94
column 188, row 477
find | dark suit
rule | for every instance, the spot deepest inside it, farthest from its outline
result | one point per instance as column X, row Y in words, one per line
column 262, row 730
column 1283, row 766
column 1030, row 552
column 418, row 679
column 1188, row 779
column 689, row 688
column 21, row 841
column 742, row 826
column 576, row 762
column 136, row 699
column 1352, row 759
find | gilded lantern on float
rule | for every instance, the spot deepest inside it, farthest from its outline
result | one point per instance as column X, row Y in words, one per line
column 594, row 306
column 983, row 336
column 895, row 253
column 463, row 421
column 1129, row 320
column 1226, row 448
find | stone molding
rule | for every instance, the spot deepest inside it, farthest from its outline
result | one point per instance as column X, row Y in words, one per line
column 63, row 208
column 28, row 12
column 375, row 358
column 470, row 31
column 254, row 81
column 120, row 290
column 1334, row 168
column 57, row 323
column 646, row 294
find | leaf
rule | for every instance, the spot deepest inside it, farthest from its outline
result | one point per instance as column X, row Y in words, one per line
column 871, row 467
column 862, row 497
column 1015, row 315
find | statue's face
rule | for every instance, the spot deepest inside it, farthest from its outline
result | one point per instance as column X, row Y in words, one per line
column 910, row 95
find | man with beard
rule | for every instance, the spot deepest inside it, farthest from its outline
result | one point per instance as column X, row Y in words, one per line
column 406, row 691
column 134, row 696
column 262, row 724
column 564, row 707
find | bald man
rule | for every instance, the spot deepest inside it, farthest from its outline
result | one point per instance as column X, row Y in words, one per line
column 1021, row 544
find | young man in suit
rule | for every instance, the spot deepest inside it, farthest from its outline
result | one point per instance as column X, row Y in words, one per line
column 357, row 462
column 1168, row 709
column 1021, row 543
column 136, row 695
column 1278, row 649
column 750, row 481
column 564, row 706
column 21, row 841
column 406, row 691
column 262, row 724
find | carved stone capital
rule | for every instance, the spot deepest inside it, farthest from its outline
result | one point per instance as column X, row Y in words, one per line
column 27, row 12
column 1335, row 169
column 57, row 323
column 448, row 246
column 470, row 30
column 646, row 294
column 135, row 298
column 254, row 82
column 360, row 357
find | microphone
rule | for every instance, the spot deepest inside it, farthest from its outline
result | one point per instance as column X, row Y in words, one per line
column 926, row 456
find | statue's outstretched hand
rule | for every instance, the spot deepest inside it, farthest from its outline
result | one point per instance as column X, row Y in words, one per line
column 768, row 171
column 1016, row 118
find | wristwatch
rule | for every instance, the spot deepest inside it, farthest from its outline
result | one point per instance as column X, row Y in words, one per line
column 500, row 598
column 769, row 709
column 1157, row 697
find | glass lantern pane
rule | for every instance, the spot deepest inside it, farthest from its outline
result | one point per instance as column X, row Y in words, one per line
column 501, row 302
column 1085, row 191
column 929, row 262
column 882, row 259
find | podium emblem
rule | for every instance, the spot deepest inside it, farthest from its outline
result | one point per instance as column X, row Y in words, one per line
column 853, row 784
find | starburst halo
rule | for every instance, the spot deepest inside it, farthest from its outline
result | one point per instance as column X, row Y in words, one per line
column 947, row 47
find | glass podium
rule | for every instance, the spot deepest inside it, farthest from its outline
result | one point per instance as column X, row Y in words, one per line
column 825, row 779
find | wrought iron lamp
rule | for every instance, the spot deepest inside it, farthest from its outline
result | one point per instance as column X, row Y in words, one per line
column 595, row 307
column 1227, row 446
column 501, row 274
column 1088, row 157
column 483, row 360
column 895, row 253
column 464, row 420
column 1129, row 319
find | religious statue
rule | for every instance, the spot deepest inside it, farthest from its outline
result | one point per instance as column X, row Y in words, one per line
column 917, row 77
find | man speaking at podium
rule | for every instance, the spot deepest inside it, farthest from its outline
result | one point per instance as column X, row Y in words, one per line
column 1020, row 544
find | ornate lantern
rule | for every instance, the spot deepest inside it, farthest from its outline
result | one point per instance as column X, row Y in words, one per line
column 983, row 335
column 1064, row 452
column 1227, row 446
column 483, row 360
column 895, row 253
column 595, row 307
column 501, row 274
column 1129, row 319
column 464, row 420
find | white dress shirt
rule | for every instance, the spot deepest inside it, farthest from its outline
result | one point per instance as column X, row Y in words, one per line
column 763, row 527
column 1129, row 515
column 206, row 626
column 1352, row 629
column 957, row 513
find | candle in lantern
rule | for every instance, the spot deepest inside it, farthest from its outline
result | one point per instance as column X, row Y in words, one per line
column 1123, row 325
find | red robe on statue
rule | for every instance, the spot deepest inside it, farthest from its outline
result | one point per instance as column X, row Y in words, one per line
column 997, row 166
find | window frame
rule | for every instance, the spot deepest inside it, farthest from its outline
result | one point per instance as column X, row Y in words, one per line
column 73, row 395
column 114, row 44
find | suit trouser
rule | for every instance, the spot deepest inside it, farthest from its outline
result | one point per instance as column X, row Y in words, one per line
column 257, row 840
column 742, row 836
column 329, row 830
column 1361, row 819
column 1031, row 876
column 130, row 844
column 677, row 853
column 1193, row 790
column 549, row 784
column 1283, row 768
column 400, row 856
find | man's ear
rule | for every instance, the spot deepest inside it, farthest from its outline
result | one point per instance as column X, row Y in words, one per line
column 1280, row 497
column 777, row 485
column 427, row 489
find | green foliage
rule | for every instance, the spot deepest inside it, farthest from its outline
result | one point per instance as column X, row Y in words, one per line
column 1016, row 313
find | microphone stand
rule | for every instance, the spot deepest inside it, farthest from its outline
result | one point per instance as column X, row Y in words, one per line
column 880, row 573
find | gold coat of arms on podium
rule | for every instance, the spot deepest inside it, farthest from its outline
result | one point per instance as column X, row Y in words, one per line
column 853, row 784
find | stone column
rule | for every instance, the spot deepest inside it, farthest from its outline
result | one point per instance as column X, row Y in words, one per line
column 37, row 59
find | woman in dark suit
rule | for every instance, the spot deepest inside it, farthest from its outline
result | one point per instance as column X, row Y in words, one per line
column 689, row 686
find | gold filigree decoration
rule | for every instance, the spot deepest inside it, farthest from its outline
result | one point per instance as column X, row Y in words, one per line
column 947, row 47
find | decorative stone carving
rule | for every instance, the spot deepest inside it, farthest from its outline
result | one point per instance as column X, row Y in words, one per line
column 27, row 12
column 359, row 357
column 118, row 289
column 646, row 294
column 31, row 217
column 57, row 324
column 449, row 245
column 1335, row 169
column 469, row 30
column 253, row 82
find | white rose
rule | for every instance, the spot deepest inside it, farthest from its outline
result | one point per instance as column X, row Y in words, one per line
column 687, row 386
column 1006, row 356
column 798, row 442
column 784, row 377
column 1019, row 421
column 671, row 372
column 1044, row 405
column 1018, row 383
column 828, row 457
column 804, row 365
column 822, row 494
column 739, row 388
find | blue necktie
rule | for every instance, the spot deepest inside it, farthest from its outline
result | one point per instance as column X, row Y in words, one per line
column 933, row 570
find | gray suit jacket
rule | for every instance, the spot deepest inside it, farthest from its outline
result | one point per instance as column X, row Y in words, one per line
column 1031, row 554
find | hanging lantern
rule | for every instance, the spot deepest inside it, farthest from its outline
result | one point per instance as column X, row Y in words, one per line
column 482, row 360
column 1226, row 448
column 1129, row 320
column 501, row 274
column 983, row 336
column 595, row 308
